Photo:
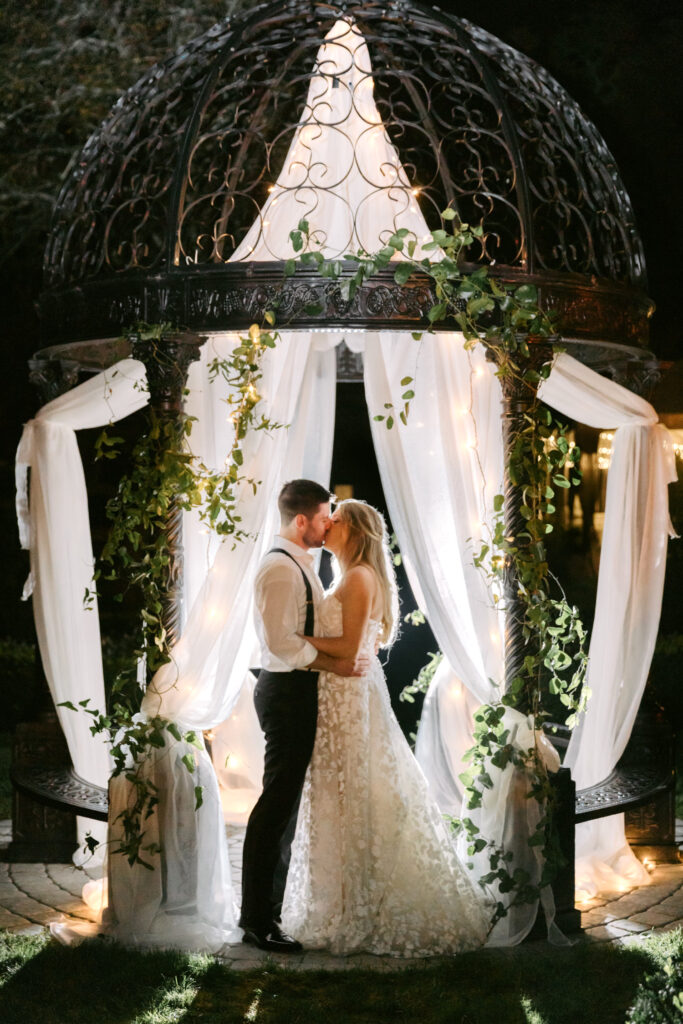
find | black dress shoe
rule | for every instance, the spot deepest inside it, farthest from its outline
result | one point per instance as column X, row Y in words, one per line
column 273, row 938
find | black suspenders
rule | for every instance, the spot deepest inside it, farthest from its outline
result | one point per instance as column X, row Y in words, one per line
column 309, row 626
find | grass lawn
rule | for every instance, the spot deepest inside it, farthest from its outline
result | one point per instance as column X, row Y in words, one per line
column 41, row 981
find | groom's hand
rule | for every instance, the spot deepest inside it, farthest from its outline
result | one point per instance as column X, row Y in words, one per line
column 357, row 666
column 345, row 667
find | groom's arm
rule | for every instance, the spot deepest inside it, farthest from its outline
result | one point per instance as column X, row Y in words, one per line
column 340, row 666
column 275, row 596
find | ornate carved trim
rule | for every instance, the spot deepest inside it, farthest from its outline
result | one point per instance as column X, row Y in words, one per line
column 232, row 297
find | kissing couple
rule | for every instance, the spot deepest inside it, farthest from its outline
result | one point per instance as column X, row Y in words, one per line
column 345, row 850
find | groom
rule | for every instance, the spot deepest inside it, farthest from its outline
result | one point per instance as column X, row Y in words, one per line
column 287, row 594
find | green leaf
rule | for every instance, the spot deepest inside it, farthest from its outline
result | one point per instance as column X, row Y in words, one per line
column 403, row 272
column 526, row 294
column 405, row 381
column 437, row 312
column 482, row 304
column 198, row 797
column 448, row 214
column 191, row 737
column 189, row 762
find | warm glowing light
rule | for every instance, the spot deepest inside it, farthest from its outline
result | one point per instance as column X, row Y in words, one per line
column 605, row 448
column 232, row 761
column 479, row 372
column 209, row 734
column 649, row 864
column 415, row 191
column 271, row 187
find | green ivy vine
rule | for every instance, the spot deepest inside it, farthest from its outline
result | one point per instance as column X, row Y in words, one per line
column 165, row 477
column 508, row 321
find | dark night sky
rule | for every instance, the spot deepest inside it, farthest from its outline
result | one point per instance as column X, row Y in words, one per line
column 619, row 59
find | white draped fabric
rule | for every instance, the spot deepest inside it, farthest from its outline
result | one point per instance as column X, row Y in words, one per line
column 440, row 472
column 341, row 172
column 629, row 599
column 57, row 531
column 188, row 898
column 629, row 591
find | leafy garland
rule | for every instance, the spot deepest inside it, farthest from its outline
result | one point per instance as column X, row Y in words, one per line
column 508, row 321
column 166, row 476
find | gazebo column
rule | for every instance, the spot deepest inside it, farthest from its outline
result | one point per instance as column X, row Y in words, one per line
column 518, row 398
column 167, row 360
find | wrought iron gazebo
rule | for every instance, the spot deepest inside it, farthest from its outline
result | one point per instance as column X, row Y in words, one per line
column 164, row 193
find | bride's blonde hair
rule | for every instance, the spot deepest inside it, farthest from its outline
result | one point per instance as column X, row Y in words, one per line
column 368, row 544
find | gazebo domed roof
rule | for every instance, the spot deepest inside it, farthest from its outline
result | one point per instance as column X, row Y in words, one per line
column 167, row 188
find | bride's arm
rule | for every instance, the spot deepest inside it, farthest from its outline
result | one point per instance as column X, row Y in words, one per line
column 356, row 596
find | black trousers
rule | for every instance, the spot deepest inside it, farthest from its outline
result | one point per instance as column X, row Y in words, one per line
column 287, row 708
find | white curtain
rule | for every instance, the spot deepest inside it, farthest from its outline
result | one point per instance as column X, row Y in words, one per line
column 629, row 599
column 432, row 483
column 55, row 526
column 187, row 900
column 440, row 472
column 237, row 743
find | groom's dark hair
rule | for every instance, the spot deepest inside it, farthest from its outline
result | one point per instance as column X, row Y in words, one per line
column 301, row 497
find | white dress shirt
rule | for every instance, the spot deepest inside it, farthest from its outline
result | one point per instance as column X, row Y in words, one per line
column 280, row 607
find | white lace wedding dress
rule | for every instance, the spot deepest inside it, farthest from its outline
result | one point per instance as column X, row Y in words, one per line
column 373, row 866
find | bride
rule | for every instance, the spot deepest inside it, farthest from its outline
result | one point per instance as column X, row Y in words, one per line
column 373, row 865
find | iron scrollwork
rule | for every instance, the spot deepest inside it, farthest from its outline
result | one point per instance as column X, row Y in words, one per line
column 171, row 184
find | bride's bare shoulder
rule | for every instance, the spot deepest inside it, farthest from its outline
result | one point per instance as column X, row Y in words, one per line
column 360, row 576
column 358, row 580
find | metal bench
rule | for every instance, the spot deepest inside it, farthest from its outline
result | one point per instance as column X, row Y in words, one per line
column 63, row 789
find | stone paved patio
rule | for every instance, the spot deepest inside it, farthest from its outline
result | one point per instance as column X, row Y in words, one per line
column 34, row 895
